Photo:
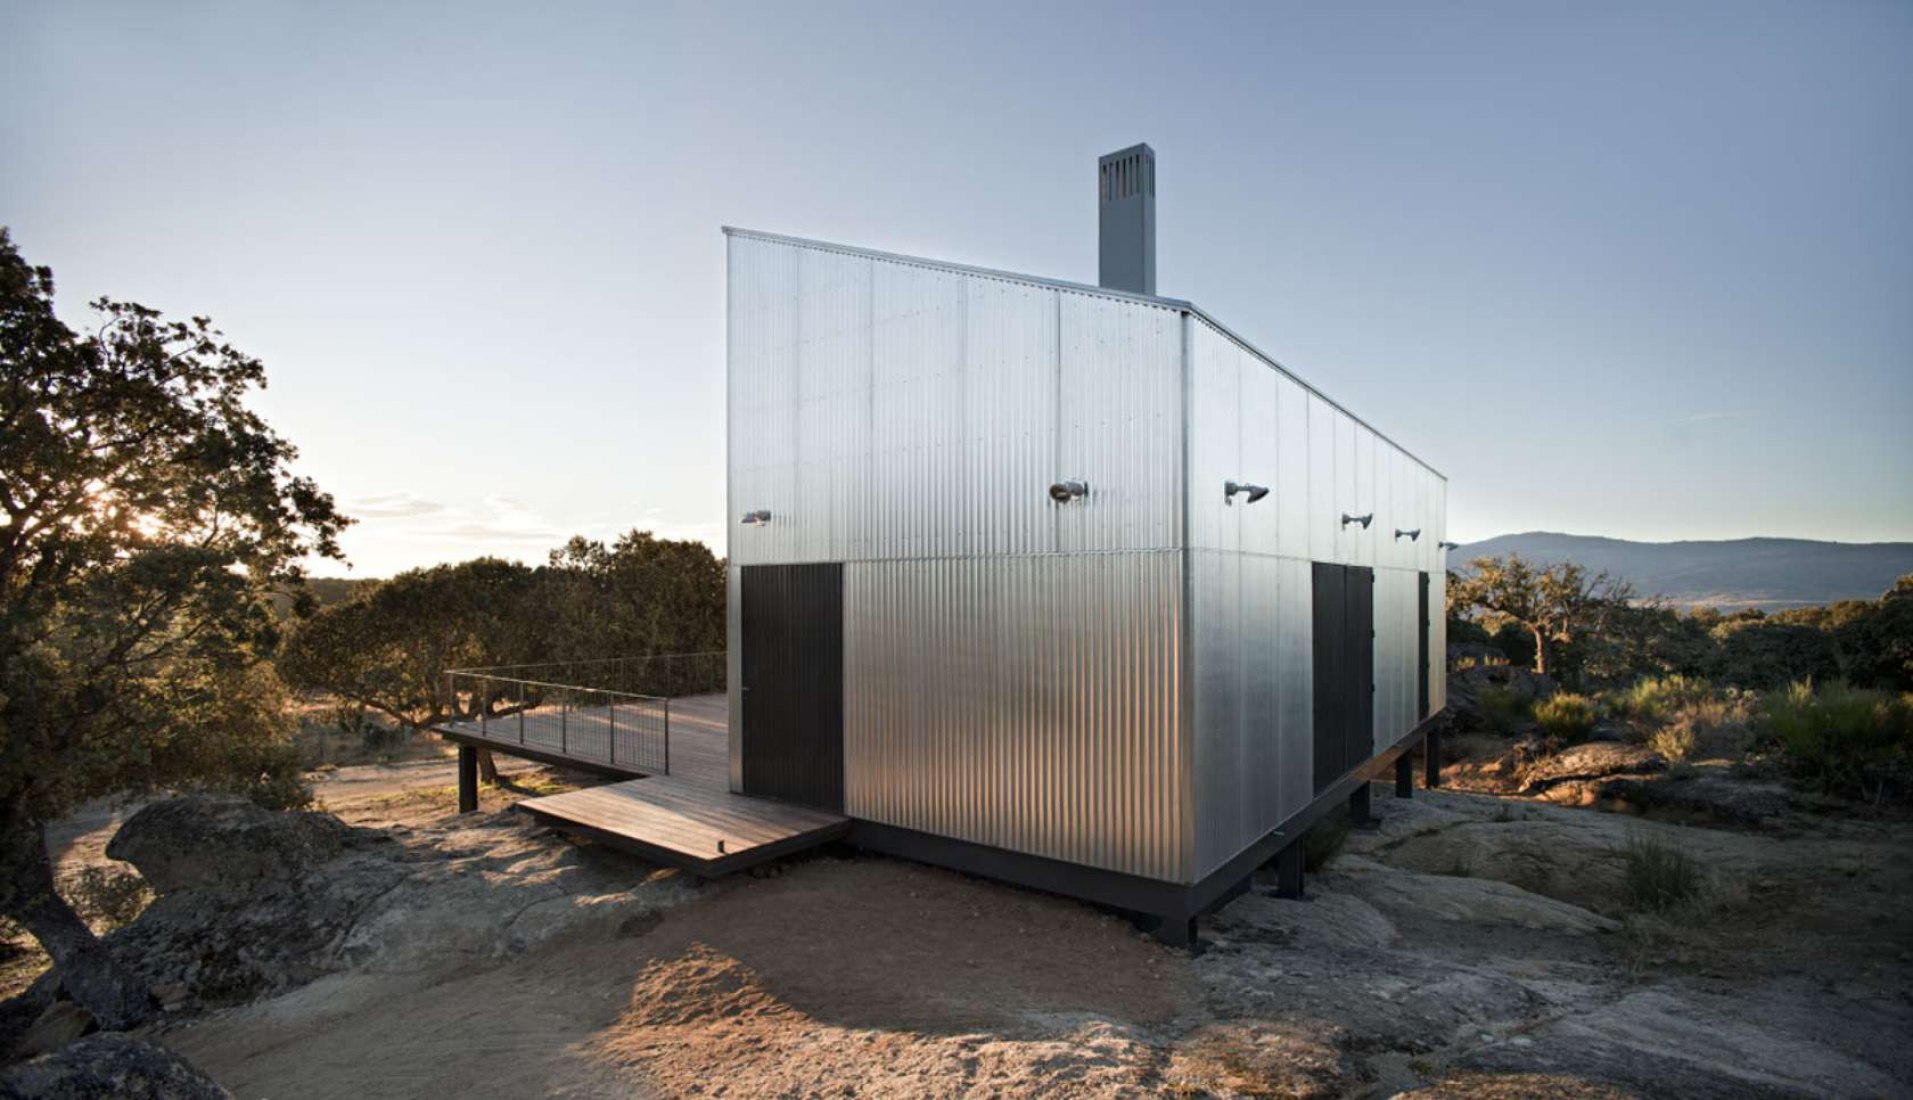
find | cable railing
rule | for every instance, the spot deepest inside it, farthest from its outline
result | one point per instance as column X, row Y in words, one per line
column 614, row 711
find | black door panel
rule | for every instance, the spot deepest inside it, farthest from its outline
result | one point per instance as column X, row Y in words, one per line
column 793, row 683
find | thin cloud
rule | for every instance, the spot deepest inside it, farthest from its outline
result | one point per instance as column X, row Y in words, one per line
column 392, row 506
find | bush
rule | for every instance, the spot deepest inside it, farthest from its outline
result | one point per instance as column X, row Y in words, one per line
column 1659, row 875
column 1566, row 715
column 1675, row 715
column 1842, row 740
column 1501, row 708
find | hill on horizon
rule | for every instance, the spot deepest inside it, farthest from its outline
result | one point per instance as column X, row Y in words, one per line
column 1768, row 573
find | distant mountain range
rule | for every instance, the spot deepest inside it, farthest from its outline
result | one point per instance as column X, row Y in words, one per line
column 1730, row 573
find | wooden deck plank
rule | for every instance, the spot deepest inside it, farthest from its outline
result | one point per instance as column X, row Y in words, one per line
column 681, row 823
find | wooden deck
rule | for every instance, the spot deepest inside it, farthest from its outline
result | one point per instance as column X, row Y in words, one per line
column 688, row 818
column 684, row 824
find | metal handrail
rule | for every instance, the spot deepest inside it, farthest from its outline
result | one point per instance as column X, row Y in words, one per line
column 602, row 725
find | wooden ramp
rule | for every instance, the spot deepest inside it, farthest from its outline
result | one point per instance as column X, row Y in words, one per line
column 690, row 825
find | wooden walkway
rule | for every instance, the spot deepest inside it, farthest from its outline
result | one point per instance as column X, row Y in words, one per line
column 688, row 818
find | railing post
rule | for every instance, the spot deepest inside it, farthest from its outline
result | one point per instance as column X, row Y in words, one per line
column 667, row 735
column 521, row 720
column 564, row 714
column 484, row 702
column 611, row 730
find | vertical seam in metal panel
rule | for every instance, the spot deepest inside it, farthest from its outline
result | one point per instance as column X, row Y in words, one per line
column 1184, row 781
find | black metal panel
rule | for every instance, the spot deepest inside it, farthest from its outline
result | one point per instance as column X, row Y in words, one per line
column 1422, row 655
column 1358, row 670
column 792, row 661
column 1330, row 649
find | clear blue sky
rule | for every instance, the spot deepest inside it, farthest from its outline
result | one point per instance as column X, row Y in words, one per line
column 1634, row 270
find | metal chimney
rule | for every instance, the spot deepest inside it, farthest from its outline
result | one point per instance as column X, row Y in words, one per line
column 1126, row 205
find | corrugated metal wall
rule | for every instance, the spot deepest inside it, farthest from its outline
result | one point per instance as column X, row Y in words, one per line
column 1250, row 582
column 1028, row 703
column 1012, row 667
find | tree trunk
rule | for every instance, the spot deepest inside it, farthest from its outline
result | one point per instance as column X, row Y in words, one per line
column 487, row 768
column 91, row 975
column 1540, row 651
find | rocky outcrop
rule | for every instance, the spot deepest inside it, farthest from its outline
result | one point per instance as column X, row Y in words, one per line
column 1582, row 763
column 115, row 1065
column 203, row 842
column 1720, row 797
column 253, row 903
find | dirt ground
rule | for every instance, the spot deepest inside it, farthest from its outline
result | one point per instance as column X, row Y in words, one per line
column 1471, row 947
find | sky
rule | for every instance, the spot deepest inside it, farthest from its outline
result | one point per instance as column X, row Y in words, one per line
column 1636, row 270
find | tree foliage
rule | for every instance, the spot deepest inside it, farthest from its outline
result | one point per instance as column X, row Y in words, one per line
column 1558, row 605
column 389, row 646
column 146, row 516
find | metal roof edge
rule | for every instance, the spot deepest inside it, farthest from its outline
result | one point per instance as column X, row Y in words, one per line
column 1081, row 288
column 967, row 269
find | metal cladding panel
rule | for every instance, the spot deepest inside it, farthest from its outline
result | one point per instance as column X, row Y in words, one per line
column 1291, row 484
column 1362, row 549
column 1324, row 515
column 761, row 343
column 1349, row 498
column 885, row 409
column 1215, row 438
column 1120, row 415
column 1028, row 703
column 1010, row 396
column 1397, row 649
column 1260, row 521
column 1254, row 703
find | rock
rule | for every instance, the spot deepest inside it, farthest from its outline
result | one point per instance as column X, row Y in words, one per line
column 115, row 1065
column 60, row 1024
column 1472, row 901
column 1687, row 1046
column 207, row 841
column 318, row 897
column 1594, row 760
column 1571, row 861
column 1732, row 800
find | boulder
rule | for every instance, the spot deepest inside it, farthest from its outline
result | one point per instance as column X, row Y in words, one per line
column 1726, row 799
column 223, row 842
column 116, row 1065
column 1594, row 760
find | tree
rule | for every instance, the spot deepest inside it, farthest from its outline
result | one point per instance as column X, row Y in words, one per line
column 1557, row 605
column 148, row 517
column 389, row 646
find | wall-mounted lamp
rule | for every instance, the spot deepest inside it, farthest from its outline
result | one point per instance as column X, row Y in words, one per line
column 1065, row 491
column 1448, row 545
column 758, row 518
column 1363, row 520
column 1411, row 536
column 1231, row 488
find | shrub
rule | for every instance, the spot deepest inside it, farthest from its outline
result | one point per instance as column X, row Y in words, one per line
column 1675, row 741
column 1501, row 708
column 1842, row 740
column 1566, row 715
column 1675, row 715
column 1324, row 840
column 1659, row 875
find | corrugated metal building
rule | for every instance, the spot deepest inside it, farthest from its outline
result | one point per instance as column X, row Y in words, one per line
column 1064, row 584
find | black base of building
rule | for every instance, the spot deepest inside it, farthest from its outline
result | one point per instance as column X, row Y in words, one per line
column 1167, row 910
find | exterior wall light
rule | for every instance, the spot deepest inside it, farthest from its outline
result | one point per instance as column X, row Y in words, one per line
column 1448, row 545
column 1231, row 488
column 758, row 518
column 1065, row 491
column 1363, row 520
column 1411, row 536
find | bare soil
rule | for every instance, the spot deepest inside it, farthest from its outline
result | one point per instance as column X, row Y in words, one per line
column 1473, row 947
